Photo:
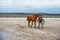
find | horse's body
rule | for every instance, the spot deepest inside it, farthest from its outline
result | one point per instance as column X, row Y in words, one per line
column 32, row 18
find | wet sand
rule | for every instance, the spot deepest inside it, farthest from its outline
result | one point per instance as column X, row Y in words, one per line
column 17, row 29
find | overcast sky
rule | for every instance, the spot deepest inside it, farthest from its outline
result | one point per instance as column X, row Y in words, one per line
column 30, row 6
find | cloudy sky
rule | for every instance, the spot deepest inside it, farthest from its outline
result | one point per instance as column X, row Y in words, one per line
column 30, row 6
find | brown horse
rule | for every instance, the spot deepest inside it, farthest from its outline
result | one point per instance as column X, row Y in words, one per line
column 32, row 18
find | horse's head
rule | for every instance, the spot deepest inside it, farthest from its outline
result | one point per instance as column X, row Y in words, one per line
column 40, row 17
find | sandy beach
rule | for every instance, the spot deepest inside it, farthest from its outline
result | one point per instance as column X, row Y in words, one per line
column 17, row 29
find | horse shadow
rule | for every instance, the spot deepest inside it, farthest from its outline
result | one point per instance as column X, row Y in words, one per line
column 20, row 26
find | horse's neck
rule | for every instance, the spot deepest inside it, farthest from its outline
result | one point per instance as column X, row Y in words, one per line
column 35, row 17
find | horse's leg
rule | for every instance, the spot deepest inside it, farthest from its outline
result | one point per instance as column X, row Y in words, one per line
column 42, row 25
column 35, row 24
column 39, row 26
column 31, row 24
column 28, row 23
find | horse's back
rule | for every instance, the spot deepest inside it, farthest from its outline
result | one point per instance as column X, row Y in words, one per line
column 30, row 17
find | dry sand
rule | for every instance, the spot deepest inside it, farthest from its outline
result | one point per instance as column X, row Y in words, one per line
column 17, row 29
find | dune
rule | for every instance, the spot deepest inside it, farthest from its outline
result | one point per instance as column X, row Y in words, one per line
column 17, row 29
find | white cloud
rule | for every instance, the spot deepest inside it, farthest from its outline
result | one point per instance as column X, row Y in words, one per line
column 33, row 3
column 24, row 5
column 6, row 3
column 37, row 3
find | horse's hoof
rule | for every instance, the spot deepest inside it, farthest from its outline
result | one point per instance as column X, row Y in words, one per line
column 38, row 27
column 43, row 28
column 34, row 27
column 30, row 27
